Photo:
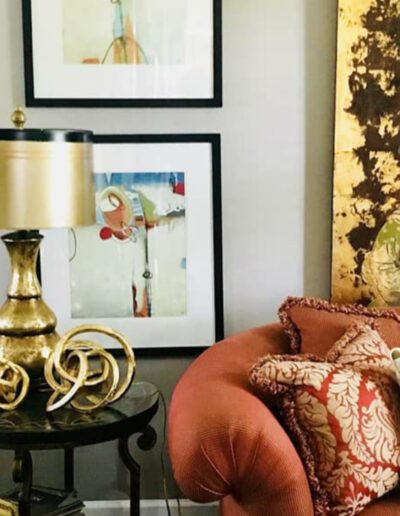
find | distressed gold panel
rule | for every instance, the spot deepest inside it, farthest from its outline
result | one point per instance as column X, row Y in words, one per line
column 366, row 189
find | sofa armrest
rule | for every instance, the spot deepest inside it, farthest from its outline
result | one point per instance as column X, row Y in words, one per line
column 224, row 441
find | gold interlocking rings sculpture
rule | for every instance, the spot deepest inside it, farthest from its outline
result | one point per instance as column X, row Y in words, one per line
column 84, row 374
column 14, row 384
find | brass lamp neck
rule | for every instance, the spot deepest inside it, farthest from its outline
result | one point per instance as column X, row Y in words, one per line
column 27, row 324
column 23, row 248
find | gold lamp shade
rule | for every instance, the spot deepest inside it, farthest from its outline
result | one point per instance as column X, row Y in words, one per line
column 46, row 179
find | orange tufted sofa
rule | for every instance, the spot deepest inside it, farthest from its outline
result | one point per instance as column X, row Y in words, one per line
column 226, row 445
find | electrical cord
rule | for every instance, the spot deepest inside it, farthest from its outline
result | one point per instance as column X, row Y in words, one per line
column 162, row 459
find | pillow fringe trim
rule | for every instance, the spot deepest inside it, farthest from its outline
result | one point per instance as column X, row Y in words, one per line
column 292, row 331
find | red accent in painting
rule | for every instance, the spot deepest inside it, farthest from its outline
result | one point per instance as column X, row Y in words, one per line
column 179, row 188
column 105, row 233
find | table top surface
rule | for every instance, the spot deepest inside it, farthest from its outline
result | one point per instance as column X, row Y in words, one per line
column 30, row 426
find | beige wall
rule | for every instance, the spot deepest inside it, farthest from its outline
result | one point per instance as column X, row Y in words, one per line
column 276, row 127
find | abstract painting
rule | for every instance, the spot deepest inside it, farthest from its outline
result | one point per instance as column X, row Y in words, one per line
column 151, row 265
column 132, row 263
column 123, row 53
column 124, row 31
column 366, row 189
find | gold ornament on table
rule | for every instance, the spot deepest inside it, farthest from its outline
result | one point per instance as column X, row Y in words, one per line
column 14, row 385
column 84, row 374
column 8, row 508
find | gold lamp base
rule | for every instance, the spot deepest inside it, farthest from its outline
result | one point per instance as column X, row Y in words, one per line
column 28, row 339
column 27, row 324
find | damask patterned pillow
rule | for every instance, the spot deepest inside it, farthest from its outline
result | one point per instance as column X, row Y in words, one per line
column 343, row 414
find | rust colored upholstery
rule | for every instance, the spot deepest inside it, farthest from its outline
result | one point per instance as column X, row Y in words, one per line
column 389, row 505
column 314, row 325
column 225, row 444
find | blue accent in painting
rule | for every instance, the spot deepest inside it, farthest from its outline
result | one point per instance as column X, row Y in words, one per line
column 137, row 178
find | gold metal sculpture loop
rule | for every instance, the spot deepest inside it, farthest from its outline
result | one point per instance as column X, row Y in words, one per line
column 14, row 385
column 84, row 374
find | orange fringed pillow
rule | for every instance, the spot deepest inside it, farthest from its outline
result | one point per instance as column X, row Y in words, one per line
column 343, row 416
column 314, row 325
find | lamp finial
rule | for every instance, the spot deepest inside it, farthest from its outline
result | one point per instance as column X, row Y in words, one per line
column 18, row 118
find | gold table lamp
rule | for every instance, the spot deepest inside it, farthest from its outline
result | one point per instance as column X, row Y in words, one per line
column 46, row 181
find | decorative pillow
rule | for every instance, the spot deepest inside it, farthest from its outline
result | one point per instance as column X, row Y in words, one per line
column 314, row 325
column 343, row 414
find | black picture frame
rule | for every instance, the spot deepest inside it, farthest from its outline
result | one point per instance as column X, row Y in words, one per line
column 215, row 143
column 213, row 102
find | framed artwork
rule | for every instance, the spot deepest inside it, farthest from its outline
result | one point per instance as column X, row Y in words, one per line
column 366, row 189
column 123, row 53
column 151, row 266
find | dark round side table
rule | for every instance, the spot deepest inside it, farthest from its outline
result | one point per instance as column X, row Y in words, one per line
column 31, row 428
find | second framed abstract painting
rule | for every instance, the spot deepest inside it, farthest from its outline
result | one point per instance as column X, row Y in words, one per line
column 151, row 267
column 123, row 53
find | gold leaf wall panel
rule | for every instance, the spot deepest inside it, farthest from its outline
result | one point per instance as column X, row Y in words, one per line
column 366, row 188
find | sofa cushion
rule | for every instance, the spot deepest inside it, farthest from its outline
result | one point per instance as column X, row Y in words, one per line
column 343, row 415
column 314, row 325
column 389, row 505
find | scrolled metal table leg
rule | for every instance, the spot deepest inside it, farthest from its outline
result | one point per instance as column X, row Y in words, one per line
column 146, row 441
column 22, row 473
